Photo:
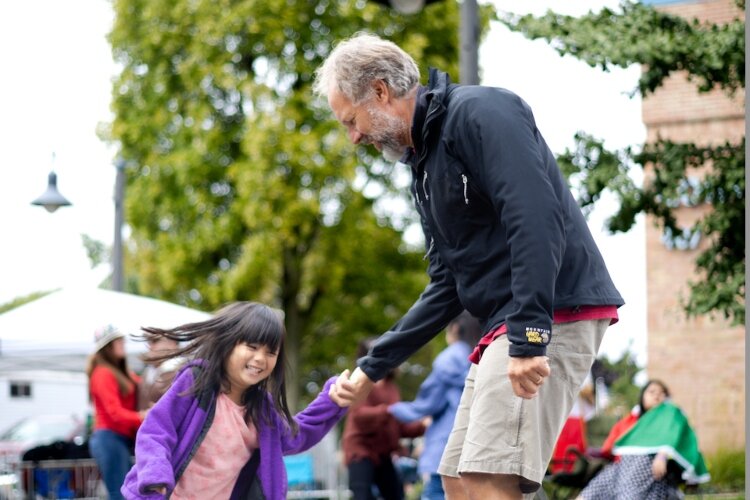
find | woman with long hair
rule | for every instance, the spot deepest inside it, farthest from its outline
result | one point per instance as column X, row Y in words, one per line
column 113, row 391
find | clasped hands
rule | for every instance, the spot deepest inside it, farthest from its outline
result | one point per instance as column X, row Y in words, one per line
column 350, row 388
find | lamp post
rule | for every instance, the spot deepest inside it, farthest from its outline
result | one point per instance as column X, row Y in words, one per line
column 468, row 57
column 117, row 271
column 468, row 33
column 51, row 200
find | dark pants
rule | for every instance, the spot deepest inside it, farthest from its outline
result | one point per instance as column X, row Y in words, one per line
column 364, row 474
column 112, row 454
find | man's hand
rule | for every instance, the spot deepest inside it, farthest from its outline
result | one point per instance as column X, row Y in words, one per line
column 527, row 375
column 352, row 389
column 337, row 395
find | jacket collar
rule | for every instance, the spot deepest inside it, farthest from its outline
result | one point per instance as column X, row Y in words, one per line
column 429, row 107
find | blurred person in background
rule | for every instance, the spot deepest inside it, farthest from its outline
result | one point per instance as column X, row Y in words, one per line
column 652, row 394
column 158, row 374
column 113, row 389
column 371, row 439
column 438, row 398
column 655, row 450
column 572, row 439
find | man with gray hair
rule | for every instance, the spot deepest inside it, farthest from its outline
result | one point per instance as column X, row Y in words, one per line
column 505, row 240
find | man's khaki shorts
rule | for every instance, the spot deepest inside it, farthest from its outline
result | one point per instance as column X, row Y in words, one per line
column 497, row 432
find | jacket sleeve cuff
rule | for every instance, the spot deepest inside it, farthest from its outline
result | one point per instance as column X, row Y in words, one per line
column 526, row 350
column 527, row 341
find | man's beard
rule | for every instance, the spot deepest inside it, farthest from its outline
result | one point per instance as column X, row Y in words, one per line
column 388, row 132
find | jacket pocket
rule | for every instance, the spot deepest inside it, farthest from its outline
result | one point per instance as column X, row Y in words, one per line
column 457, row 211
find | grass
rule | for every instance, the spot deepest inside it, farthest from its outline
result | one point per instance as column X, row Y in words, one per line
column 727, row 468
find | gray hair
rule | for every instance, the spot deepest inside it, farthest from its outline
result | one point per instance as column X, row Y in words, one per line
column 362, row 59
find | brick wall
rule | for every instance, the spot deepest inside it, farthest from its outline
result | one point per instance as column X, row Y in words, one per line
column 702, row 359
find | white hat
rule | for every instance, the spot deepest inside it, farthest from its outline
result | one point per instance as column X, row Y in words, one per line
column 104, row 335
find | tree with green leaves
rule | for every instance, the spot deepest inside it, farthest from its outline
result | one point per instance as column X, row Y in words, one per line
column 713, row 56
column 241, row 187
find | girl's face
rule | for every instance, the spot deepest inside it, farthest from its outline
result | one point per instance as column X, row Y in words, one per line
column 653, row 396
column 117, row 348
column 247, row 365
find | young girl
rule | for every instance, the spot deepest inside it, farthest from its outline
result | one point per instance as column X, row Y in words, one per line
column 222, row 428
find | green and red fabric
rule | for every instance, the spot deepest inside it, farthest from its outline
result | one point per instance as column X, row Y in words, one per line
column 666, row 429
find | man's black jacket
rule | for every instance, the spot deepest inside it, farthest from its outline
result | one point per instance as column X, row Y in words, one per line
column 504, row 235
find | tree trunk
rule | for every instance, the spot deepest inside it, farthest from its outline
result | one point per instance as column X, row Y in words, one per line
column 293, row 322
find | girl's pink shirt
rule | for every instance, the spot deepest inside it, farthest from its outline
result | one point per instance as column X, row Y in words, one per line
column 216, row 465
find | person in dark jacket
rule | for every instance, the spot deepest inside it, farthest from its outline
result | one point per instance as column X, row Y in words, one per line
column 505, row 240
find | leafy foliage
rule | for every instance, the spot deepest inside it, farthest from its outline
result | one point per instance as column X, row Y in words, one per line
column 96, row 251
column 680, row 174
column 24, row 299
column 712, row 55
column 727, row 468
column 241, row 187
column 623, row 393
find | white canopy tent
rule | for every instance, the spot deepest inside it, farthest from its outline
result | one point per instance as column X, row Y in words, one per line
column 63, row 322
column 44, row 345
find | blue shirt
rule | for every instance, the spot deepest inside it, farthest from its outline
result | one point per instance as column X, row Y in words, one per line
column 438, row 397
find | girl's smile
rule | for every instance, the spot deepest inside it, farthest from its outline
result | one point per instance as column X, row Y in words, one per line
column 247, row 365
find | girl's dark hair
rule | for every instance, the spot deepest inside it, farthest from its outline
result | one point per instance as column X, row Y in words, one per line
column 213, row 341
column 643, row 391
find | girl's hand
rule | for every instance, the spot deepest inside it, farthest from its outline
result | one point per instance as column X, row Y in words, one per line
column 659, row 466
column 338, row 394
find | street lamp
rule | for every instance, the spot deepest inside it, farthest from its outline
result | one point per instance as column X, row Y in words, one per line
column 51, row 199
column 468, row 33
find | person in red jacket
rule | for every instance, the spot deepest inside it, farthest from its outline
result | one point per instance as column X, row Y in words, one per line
column 371, row 438
column 113, row 393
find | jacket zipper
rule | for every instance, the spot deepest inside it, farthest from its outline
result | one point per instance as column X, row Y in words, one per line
column 432, row 244
column 431, row 112
column 466, row 185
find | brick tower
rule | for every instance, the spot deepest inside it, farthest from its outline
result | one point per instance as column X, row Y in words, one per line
column 702, row 360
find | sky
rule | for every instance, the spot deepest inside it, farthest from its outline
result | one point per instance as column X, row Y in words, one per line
column 55, row 93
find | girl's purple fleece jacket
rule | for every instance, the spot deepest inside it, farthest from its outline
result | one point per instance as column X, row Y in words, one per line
column 176, row 425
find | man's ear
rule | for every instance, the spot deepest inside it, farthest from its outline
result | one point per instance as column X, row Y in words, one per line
column 381, row 91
